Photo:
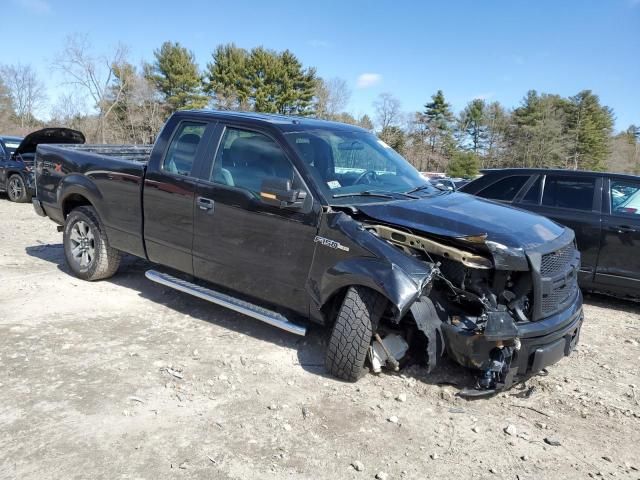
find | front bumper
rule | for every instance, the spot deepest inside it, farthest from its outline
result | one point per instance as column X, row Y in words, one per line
column 537, row 344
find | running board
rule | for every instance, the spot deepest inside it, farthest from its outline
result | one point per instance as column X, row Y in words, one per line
column 227, row 301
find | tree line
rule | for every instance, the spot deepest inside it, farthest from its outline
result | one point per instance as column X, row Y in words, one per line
column 115, row 101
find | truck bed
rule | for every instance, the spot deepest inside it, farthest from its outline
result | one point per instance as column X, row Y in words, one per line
column 133, row 153
column 110, row 177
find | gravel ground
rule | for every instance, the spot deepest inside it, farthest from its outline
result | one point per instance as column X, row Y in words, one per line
column 128, row 379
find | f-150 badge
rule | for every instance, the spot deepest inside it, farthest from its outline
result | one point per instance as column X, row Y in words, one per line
column 330, row 243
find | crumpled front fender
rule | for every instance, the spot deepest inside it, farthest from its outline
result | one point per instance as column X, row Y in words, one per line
column 384, row 277
column 346, row 254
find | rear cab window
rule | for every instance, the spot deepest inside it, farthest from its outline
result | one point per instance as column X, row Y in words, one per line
column 181, row 154
column 504, row 189
column 567, row 191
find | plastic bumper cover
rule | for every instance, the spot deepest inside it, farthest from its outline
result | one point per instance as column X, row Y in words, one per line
column 536, row 346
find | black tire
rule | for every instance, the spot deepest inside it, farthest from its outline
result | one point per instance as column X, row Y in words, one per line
column 16, row 189
column 352, row 332
column 101, row 260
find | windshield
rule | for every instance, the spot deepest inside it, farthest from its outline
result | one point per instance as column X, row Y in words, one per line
column 353, row 166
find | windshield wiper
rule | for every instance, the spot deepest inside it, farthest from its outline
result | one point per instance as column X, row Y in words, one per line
column 421, row 187
column 378, row 193
column 366, row 193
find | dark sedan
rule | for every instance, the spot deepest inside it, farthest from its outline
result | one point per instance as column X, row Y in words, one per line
column 602, row 208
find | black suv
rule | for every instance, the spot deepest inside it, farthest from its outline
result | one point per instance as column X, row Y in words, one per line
column 602, row 208
column 15, row 187
column 16, row 159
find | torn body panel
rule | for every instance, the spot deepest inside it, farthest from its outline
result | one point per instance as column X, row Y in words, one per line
column 469, row 296
column 371, row 262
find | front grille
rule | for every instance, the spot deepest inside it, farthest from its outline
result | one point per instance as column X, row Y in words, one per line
column 556, row 283
column 557, row 297
column 558, row 261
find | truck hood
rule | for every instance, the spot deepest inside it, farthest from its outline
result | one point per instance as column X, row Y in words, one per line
column 460, row 215
column 48, row 135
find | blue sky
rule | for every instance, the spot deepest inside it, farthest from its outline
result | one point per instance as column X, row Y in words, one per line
column 494, row 50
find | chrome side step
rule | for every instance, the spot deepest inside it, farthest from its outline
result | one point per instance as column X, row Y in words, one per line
column 227, row 301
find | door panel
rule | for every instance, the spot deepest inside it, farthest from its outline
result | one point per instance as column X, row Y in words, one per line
column 244, row 244
column 169, row 193
column 574, row 201
column 619, row 261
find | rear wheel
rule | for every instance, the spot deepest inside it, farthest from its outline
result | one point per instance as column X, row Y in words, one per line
column 16, row 189
column 86, row 247
column 352, row 332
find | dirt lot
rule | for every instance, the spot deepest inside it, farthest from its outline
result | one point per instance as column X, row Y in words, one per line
column 128, row 379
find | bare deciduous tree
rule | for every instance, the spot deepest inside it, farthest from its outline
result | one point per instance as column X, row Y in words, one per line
column 141, row 112
column 94, row 74
column 387, row 109
column 332, row 97
column 26, row 91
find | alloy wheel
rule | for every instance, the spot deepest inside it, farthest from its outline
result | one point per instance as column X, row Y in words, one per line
column 83, row 248
column 15, row 188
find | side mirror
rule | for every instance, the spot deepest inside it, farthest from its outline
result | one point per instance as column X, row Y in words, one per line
column 278, row 192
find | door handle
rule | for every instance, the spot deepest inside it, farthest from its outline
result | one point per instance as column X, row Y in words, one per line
column 623, row 229
column 205, row 204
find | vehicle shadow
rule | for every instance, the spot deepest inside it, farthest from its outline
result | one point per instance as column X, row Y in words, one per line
column 310, row 349
column 606, row 301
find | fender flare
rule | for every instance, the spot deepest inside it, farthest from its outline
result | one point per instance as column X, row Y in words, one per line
column 386, row 278
column 14, row 171
column 79, row 185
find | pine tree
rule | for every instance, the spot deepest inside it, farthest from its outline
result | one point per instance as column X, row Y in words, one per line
column 394, row 137
column 463, row 164
column 262, row 80
column 473, row 125
column 589, row 126
column 437, row 114
column 176, row 76
column 294, row 91
column 366, row 122
column 633, row 134
column 496, row 120
column 537, row 136
column 227, row 78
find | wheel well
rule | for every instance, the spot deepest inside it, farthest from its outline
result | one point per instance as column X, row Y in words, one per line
column 332, row 305
column 74, row 200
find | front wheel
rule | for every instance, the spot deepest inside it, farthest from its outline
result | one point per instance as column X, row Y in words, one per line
column 352, row 333
column 86, row 247
column 16, row 189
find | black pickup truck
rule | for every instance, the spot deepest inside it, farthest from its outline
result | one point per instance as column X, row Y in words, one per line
column 287, row 219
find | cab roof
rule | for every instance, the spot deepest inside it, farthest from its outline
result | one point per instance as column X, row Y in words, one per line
column 286, row 123
column 551, row 171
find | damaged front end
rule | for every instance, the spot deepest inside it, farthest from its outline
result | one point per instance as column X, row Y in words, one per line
column 504, row 312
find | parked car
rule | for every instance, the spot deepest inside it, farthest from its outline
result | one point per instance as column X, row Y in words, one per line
column 602, row 208
column 287, row 219
column 17, row 155
column 8, row 145
column 446, row 183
